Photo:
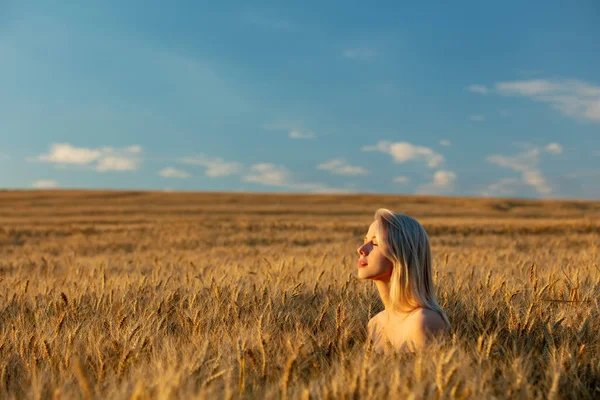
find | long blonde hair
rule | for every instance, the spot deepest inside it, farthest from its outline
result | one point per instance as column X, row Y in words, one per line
column 405, row 242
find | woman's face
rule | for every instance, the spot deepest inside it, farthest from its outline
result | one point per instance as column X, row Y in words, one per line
column 372, row 264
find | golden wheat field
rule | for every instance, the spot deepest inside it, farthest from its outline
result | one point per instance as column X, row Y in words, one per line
column 109, row 294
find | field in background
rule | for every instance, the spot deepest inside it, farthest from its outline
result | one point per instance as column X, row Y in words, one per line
column 187, row 295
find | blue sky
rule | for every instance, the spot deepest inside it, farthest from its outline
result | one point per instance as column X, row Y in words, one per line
column 474, row 99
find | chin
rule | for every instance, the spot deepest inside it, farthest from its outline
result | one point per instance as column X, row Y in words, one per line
column 373, row 275
column 363, row 275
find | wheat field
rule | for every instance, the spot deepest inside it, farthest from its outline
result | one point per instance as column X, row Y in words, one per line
column 112, row 294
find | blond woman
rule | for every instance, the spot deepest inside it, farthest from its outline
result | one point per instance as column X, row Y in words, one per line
column 396, row 255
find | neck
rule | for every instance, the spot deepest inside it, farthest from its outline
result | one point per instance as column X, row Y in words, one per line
column 383, row 286
column 384, row 292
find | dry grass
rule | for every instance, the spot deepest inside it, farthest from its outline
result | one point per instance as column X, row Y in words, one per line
column 164, row 295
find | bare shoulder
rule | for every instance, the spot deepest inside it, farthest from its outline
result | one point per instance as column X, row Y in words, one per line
column 426, row 321
column 422, row 325
column 373, row 322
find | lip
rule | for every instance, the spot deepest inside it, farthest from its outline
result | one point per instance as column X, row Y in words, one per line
column 361, row 264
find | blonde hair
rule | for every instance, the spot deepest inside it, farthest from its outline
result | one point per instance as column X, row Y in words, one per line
column 405, row 242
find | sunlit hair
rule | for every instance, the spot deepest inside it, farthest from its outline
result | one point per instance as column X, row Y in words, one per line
column 405, row 242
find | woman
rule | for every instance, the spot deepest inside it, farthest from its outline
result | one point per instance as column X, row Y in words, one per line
column 397, row 256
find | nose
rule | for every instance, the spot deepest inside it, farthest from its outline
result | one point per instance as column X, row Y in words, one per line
column 362, row 250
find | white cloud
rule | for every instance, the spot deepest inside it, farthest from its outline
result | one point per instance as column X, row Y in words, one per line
column 359, row 52
column 444, row 178
column 477, row 117
column 401, row 179
column 64, row 153
column 170, row 172
column 119, row 160
column 478, row 89
column 402, row 152
column 527, row 165
column 277, row 175
column 445, row 142
column 262, row 173
column 536, row 179
column 442, row 182
column 573, row 98
column 269, row 174
column 296, row 134
column 214, row 166
column 504, row 187
column 340, row 167
column 102, row 159
column 4, row 157
column 44, row 184
column 116, row 163
column 554, row 148
column 526, row 88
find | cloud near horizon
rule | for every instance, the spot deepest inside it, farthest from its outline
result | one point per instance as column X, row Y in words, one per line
column 215, row 167
column 266, row 173
column 402, row 152
column 100, row 159
column 270, row 174
column 44, row 184
column 171, row 172
column 442, row 183
column 339, row 166
column 526, row 163
column 504, row 187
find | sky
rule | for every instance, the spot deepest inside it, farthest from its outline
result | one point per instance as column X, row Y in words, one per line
column 461, row 99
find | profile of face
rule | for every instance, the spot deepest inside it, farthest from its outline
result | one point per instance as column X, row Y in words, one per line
column 372, row 263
